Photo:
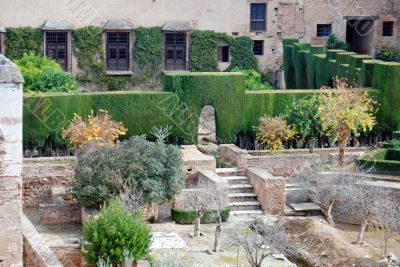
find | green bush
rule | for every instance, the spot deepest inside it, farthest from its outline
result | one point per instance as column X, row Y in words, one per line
column 388, row 53
column 334, row 42
column 153, row 168
column 23, row 40
column 252, row 80
column 242, row 55
column 113, row 232
column 188, row 217
column 44, row 75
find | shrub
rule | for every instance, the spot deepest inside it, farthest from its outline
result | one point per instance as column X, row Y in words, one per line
column 377, row 162
column 252, row 80
column 113, row 232
column 152, row 168
column 44, row 75
column 334, row 42
column 203, row 51
column 181, row 216
column 388, row 53
column 272, row 132
column 98, row 128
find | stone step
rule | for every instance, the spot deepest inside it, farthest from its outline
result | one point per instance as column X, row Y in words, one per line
column 234, row 197
column 241, row 188
column 228, row 171
column 237, row 179
column 246, row 213
column 244, row 205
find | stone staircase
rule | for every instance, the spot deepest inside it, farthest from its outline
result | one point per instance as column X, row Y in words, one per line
column 242, row 199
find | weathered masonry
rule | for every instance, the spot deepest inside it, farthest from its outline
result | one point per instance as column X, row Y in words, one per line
column 362, row 23
column 10, row 164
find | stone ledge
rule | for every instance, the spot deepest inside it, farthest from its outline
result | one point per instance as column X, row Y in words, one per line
column 59, row 214
column 9, row 72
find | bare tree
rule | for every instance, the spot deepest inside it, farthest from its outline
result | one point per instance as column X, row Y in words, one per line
column 218, row 199
column 387, row 221
column 161, row 133
column 260, row 241
column 131, row 199
column 364, row 201
column 325, row 191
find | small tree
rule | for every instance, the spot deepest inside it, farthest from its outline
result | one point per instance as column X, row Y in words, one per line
column 326, row 192
column 272, row 132
column 343, row 111
column 114, row 233
column 387, row 221
column 219, row 201
column 302, row 116
column 101, row 129
column 260, row 241
column 366, row 201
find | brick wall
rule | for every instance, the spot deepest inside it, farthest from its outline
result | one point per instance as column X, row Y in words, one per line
column 40, row 174
column 270, row 190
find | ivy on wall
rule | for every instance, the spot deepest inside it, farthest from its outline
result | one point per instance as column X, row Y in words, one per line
column 203, row 54
column 23, row 40
column 148, row 53
column 242, row 54
column 88, row 49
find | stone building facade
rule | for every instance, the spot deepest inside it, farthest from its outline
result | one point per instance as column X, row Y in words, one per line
column 363, row 23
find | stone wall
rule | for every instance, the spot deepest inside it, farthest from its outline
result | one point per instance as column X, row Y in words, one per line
column 193, row 161
column 270, row 190
column 39, row 175
column 36, row 251
column 11, row 91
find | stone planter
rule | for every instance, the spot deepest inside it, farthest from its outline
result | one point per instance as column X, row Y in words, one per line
column 87, row 213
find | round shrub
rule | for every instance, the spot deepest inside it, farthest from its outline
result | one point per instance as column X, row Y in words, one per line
column 44, row 75
column 388, row 53
column 152, row 168
column 114, row 232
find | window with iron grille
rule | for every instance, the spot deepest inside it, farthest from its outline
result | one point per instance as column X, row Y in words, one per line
column 175, row 51
column 324, row 30
column 388, row 28
column 258, row 47
column 57, row 48
column 223, row 53
column 258, row 16
column 118, row 55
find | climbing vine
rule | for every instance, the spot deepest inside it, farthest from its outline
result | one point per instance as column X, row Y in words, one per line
column 148, row 53
column 242, row 54
column 23, row 40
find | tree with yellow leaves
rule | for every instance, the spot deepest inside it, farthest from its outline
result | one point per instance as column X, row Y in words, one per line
column 100, row 128
column 343, row 111
column 272, row 132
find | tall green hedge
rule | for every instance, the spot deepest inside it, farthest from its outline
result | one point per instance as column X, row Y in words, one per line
column 45, row 115
column 288, row 65
column 23, row 40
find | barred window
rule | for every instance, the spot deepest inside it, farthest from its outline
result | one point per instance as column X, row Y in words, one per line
column 175, row 51
column 258, row 47
column 324, row 30
column 388, row 28
column 258, row 17
column 118, row 55
column 57, row 48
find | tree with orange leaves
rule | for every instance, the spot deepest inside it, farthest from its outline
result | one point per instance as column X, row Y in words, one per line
column 100, row 128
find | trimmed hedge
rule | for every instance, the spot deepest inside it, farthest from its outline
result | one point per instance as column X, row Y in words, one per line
column 45, row 115
column 203, row 51
column 377, row 162
column 241, row 49
column 181, row 216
